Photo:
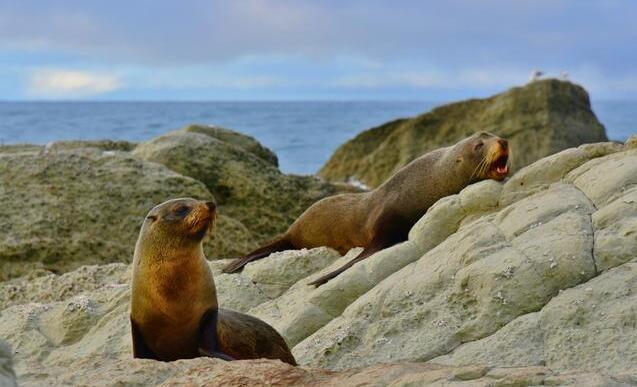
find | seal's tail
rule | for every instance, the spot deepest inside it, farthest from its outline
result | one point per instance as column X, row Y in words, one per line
column 278, row 244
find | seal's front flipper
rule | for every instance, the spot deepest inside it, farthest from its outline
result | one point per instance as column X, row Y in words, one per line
column 208, row 343
column 140, row 349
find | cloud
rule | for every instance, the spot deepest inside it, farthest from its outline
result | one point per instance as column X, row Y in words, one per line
column 210, row 46
column 71, row 83
column 436, row 78
column 442, row 33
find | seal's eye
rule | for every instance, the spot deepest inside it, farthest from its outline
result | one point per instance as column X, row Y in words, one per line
column 181, row 210
column 478, row 146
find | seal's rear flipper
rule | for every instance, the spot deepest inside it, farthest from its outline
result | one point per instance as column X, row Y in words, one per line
column 278, row 244
column 140, row 349
column 363, row 254
column 208, row 343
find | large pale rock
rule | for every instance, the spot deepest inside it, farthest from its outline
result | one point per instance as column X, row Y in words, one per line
column 52, row 287
column 281, row 270
column 467, row 287
column 606, row 178
column 237, row 292
column 538, row 119
column 302, row 309
column 504, row 284
column 539, row 175
column 590, row 326
column 85, row 340
column 248, row 187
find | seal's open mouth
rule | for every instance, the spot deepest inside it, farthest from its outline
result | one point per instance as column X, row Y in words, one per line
column 499, row 166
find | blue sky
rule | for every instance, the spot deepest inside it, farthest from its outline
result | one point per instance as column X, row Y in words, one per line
column 296, row 50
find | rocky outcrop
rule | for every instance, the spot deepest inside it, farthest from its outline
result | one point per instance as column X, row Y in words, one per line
column 105, row 145
column 513, row 252
column 66, row 208
column 539, row 119
column 73, row 203
column 527, row 282
column 235, row 138
column 242, row 176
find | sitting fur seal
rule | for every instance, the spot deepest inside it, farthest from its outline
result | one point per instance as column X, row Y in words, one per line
column 383, row 217
column 174, row 313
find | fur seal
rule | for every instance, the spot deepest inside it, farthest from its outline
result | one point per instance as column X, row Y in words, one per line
column 174, row 312
column 383, row 217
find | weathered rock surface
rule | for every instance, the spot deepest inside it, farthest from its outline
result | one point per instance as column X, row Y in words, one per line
column 73, row 203
column 539, row 119
column 245, row 182
column 239, row 139
column 105, row 145
column 63, row 209
column 85, row 340
column 528, row 282
column 507, row 259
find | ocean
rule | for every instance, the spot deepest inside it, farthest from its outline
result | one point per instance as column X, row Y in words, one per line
column 303, row 134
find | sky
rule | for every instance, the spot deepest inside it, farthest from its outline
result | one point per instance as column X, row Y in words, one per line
column 311, row 50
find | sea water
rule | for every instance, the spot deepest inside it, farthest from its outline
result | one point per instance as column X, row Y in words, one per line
column 303, row 134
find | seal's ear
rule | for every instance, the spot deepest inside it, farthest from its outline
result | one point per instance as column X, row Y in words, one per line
column 459, row 159
column 152, row 218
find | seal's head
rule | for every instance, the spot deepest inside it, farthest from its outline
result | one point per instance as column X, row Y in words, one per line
column 177, row 224
column 489, row 155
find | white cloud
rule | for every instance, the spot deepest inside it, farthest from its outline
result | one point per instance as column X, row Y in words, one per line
column 60, row 83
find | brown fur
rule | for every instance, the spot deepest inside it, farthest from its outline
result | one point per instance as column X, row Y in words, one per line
column 383, row 217
column 173, row 289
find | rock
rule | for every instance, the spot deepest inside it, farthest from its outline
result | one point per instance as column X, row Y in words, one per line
column 262, row 372
column 52, row 287
column 21, row 148
column 492, row 270
column 230, row 136
column 85, row 340
column 539, row 119
column 105, row 145
column 501, row 284
column 577, row 328
column 283, row 269
column 539, row 175
column 247, row 187
column 7, row 376
column 82, row 206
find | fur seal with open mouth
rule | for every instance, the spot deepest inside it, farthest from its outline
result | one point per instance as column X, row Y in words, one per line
column 383, row 217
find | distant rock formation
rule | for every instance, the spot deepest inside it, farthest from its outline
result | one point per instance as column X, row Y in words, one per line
column 539, row 119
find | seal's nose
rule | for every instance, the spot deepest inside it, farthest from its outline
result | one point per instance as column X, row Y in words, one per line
column 504, row 143
column 212, row 207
